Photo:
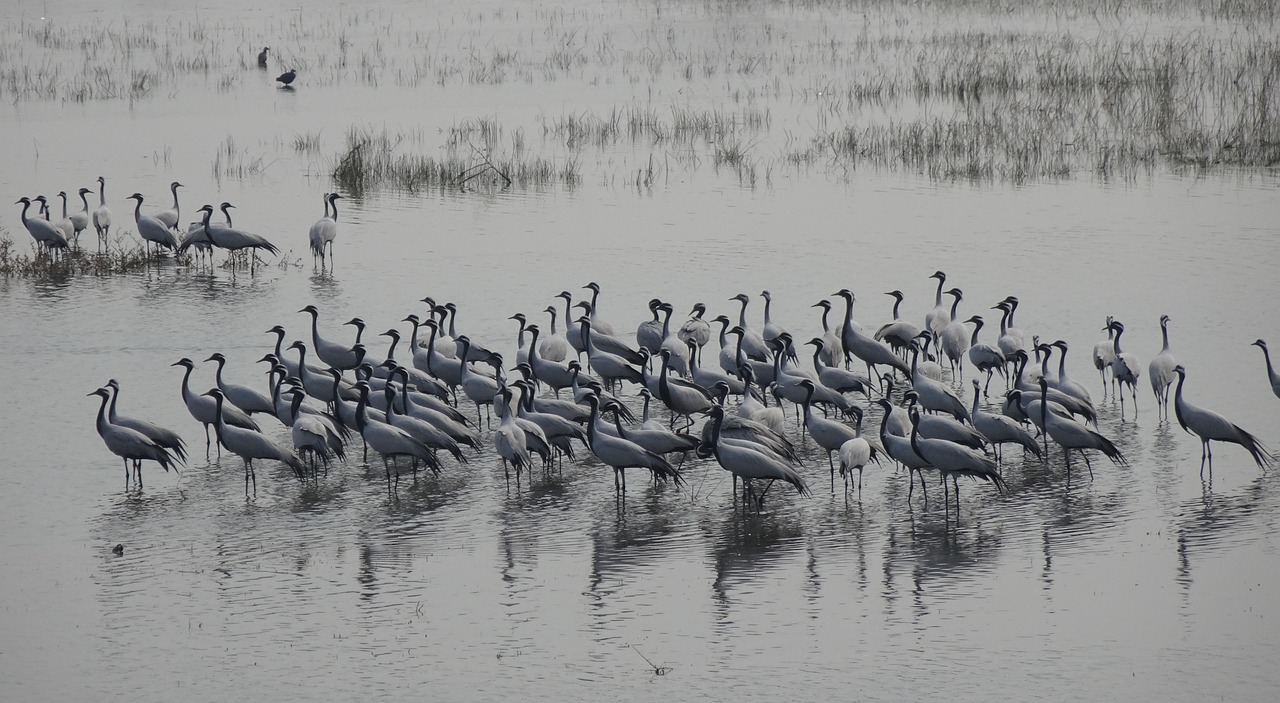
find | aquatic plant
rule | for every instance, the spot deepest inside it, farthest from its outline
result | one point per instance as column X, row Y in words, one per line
column 123, row 255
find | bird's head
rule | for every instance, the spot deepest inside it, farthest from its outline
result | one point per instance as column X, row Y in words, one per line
column 184, row 362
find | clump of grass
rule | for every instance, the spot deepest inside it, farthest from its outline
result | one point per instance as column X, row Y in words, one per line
column 121, row 256
column 232, row 161
column 307, row 143
column 474, row 155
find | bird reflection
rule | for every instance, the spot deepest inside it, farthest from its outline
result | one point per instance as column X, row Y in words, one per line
column 1213, row 523
column 746, row 545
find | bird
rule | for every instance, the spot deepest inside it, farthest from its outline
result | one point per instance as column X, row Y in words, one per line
column 832, row 350
column 510, row 441
column 43, row 231
column 312, row 436
column 166, row 438
column 772, row 330
column 420, row 429
column 1000, row 429
column 1103, row 354
column 1160, row 370
column 752, row 341
column 480, row 389
column 1272, row 376
column 555, row 347
column 934, row 395
column 620, row 454
column 1011, row 340
column 1070, row 434
column 954, row 338
column 129, row 444
column 390, row 442
column 649, row 332
column 899, row 447
column 1124, row 368
column 172, row 216
column 1065, row 383
column 696, row 328
column 287, row 77
column 151, row 229
column 609, row 365
column 102, row 215
column 681, row 396
column 858, row 344
column 856, row 453
column 680, row 353
column 751, row 463
column 262, row 57
column 205, row 410
column 250, row 444
column 593, row 311
column 65, row 224
column 984, row 356
column 325, row 229
column 247, row 399
column 898, row 333
column 336, row 355
column 953, row 460
column 234, row 239
column 707, row 376
column 80, row 219
column 829, row 434
column 936, row 319
column 1210, row 426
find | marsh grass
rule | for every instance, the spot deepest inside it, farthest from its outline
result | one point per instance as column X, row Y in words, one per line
column 475, row 155
column 123, row 255
column 963, row 89
column 232, row 161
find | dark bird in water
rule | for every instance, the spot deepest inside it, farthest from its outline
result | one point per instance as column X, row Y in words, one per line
column 262, row 57
column 118, row 549
column 287, row 77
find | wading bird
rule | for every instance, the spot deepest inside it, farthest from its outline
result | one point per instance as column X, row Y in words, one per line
column 1272, row 376
column 1210, row 426
column 129, row 444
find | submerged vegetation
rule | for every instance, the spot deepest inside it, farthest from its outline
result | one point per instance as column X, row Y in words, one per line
column 973, row 89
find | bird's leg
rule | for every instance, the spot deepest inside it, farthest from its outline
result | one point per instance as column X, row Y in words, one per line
column 859, row 482
column 126, row 474
column 923, row 489
column 1204, row 448
column 1209, row 450
column 833, row 472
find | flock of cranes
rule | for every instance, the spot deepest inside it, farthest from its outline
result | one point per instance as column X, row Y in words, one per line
column 565, row 391
column 162, row 229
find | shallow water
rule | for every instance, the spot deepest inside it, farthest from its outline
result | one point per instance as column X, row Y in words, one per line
column 1144, row 582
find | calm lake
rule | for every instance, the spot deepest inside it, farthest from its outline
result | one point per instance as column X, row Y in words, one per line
column 1143, row 583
